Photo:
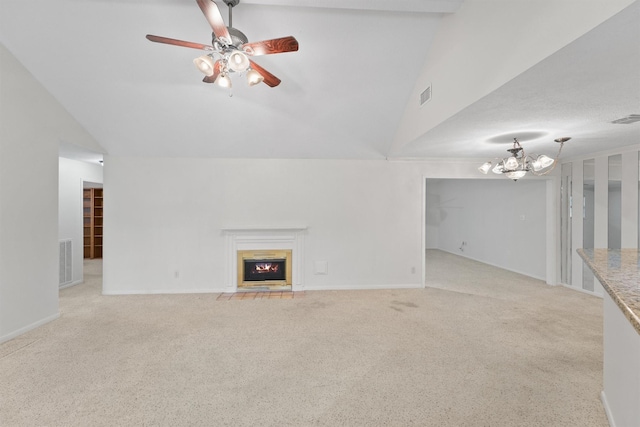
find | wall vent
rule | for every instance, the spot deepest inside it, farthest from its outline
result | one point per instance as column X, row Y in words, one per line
column 65, row 272
column 425, row 96
column 631, row 118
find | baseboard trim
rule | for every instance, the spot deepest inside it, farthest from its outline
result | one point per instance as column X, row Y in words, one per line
column 607, row 410
column 68, row 285
column 165, row 291
column 359, row 287
column 27, row 328
column 495, row 265
column 584, row 291
column 295, row 289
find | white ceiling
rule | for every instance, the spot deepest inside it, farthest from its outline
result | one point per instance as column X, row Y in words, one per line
column 342, row 94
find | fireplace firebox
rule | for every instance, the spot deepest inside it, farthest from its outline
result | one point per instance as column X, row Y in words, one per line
column 260, row 270
column 270, row 269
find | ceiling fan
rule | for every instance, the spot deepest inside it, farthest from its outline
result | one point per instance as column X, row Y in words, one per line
column 230, row 50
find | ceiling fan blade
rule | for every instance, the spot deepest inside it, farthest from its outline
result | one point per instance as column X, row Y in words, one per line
column 216, row 71
column 213, row 15
column 268, row 47
column 175, row 42
column 269, row 79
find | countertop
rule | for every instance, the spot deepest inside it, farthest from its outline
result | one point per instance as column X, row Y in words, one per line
column 618, row 270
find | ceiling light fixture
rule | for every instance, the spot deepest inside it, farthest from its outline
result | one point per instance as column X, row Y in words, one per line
column 223, row 80
column 205, row 64
column 254, row 77
column 230, row 50
column 518, row 164
column 238, row 61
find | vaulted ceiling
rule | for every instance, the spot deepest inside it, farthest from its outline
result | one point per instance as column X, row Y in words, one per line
column 352, row 89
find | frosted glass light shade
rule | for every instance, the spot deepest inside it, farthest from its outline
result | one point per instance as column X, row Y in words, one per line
column 499, row 168
column 515, row 175
column 545, row 161
column 205, row 64
column 238, row 61
column 254, row 77
column 511, row 164
column 223, row 80
column 485, row 168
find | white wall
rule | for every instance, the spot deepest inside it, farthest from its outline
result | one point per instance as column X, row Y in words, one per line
column 501, row 222
column 432, row 213
column 164, row 216
column 621, row 376
column 72, row 173
column 33, row 123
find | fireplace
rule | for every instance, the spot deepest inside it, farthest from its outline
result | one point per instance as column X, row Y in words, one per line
column 264, row 269
column 264, row 243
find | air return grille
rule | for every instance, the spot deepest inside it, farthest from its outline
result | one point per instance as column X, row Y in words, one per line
column 425, row 96
column 631, row 118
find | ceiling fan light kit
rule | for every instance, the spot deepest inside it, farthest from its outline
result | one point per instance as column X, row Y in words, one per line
column 519, row 164
column 205, row 64
column 230, row 50
column 254, row 77
column 238, row 61
column 223, row 80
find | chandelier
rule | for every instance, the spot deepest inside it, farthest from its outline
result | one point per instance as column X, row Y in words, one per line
column 518, row 164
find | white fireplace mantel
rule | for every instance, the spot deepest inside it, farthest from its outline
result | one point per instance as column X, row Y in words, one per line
column 263, row 238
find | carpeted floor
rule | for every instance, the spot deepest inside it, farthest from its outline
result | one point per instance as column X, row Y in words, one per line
column 479, row 346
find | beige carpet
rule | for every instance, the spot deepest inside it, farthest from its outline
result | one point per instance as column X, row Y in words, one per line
column 481, row 347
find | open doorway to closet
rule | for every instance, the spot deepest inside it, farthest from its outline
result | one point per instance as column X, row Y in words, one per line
column 92, row 227
column 92, row 219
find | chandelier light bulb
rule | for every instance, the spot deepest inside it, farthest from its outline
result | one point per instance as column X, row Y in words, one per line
column 511, row 164
column 254, row 77
column 536, row 165
column 545, row 161
column 485, row 168
column 238, row 61
column 205, row 64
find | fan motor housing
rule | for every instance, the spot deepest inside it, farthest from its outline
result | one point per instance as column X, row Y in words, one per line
column 238, row 38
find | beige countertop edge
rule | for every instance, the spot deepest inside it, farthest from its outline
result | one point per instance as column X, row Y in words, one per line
column 619, row 300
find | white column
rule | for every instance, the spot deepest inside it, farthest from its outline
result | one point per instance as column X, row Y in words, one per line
column 630, row 199
column 601, row 196
column 577, row 222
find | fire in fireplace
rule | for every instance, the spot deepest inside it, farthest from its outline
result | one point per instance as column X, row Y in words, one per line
column 258, row 270
column 271, row 268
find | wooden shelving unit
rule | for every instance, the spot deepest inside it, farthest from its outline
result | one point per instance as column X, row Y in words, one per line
column 92, row 204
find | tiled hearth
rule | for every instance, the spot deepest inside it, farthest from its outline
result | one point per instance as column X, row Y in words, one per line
column 260, row 295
